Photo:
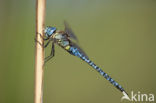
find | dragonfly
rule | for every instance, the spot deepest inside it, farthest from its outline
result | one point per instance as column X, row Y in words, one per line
column 65, row 39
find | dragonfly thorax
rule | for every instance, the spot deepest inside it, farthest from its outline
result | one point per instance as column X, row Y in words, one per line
column 49, row 31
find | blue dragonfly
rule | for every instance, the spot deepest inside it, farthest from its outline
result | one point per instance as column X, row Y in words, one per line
column 65, row 40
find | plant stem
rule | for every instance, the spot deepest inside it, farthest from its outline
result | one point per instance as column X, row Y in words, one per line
column 39, row 52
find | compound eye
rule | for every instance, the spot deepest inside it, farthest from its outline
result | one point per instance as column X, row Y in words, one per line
column 49, row 31
column 46, row 32
column 53, row 29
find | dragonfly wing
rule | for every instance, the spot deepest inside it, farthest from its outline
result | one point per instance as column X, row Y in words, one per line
column 69, row 31
column 80, row 49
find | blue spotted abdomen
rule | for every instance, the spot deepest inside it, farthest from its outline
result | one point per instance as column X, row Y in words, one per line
column 74, row 51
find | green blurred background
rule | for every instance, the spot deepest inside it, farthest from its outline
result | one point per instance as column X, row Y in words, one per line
column 119, row 36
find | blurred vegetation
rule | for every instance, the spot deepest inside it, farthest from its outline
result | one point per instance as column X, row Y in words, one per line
column 119, row 36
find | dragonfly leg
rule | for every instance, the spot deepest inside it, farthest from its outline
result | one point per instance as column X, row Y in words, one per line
column 38, row 42
column 51, row 54
column 47, row 43
column 43, row 37
column 44, row 46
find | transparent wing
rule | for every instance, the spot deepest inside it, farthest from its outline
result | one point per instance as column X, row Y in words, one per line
column 80, row 49
column 69, row 31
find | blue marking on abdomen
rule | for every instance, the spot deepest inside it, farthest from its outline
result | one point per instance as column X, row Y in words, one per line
column 75, row 51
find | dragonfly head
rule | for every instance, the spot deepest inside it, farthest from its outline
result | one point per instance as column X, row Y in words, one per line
column 49, row 31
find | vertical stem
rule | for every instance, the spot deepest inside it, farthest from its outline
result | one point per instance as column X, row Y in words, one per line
column 39, row 52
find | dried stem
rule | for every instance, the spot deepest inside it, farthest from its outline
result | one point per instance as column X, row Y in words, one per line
column 39, row 53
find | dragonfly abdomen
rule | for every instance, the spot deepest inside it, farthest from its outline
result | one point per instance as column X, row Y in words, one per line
column 77, row 53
